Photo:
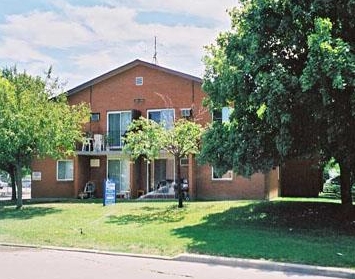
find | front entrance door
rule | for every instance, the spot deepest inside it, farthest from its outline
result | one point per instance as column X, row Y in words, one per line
column 118, row 172
column 159, row 171
column 163, row 170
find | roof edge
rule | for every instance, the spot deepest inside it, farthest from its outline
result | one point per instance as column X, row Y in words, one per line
column 127, row 67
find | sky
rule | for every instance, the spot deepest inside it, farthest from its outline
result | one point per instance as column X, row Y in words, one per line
column 82, row 39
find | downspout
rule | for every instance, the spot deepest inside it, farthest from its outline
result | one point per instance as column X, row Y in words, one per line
column 90, row 102
column 193, row 92
column 147, row 182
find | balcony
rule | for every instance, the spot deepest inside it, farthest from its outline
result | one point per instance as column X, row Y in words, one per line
column 100, row 143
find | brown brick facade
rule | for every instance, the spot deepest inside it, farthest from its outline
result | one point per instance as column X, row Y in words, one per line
column 161, row 89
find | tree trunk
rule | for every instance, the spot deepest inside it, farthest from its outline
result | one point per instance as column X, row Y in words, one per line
column 18, row 178
column 178, row 168
column 13, row 183
column 345, row 187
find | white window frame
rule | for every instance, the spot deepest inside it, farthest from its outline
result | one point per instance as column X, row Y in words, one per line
column 229, row 175
column 139, row 81
column 225, row 114
column 72, row 170
column 95, row 117
column 186, row 112
column 160, row 110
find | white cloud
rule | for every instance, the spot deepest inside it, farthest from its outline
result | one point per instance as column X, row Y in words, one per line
column 105, row 23
column 45, row 29
column 21, row 51
column 98, row 61
column 203, row 8
column 85, row 41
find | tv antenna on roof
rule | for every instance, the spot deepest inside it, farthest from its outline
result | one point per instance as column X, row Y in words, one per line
column 155, row 59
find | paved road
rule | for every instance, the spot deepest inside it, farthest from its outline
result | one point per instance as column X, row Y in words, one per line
column 20, row 263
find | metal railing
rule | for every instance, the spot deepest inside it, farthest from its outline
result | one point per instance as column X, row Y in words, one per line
column 101, row 141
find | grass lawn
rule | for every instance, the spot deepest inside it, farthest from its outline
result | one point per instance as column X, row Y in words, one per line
column 299, row 231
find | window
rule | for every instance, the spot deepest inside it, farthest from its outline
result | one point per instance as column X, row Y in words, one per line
column 222, row 115
column 186, row 113
column 65, row 170
column 118, row 122
column 139, row 81
column 184, row 161
column 164, row 116
column 226, row 176
column 95, row 117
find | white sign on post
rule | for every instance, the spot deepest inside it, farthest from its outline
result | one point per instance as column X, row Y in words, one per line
column 109, row 193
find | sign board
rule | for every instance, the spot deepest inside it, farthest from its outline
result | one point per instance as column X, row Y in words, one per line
column 36, row 176
column 109, row 193
column 95, row 163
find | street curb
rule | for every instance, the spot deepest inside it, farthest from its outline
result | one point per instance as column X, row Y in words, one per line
column 269, row 265
column 88, row 251
column 215, row 260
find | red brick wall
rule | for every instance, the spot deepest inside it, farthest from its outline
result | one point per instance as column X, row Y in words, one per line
column 301, row 178
column 49, row 186
column 97, row 174
column 238, row 188
column 160, row 90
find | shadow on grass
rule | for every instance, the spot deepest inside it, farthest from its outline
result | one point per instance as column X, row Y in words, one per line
column 26, row 212
column 151, row 214
column 300, row 232
column 288, row 215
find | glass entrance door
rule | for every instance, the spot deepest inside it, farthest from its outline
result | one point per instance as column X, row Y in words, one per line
column 118, row 172
column 159, row 171
column 163, row 170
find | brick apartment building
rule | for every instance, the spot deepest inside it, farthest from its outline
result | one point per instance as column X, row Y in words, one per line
column 116, row 98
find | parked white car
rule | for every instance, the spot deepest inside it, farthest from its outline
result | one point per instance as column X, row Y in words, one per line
column 26, row 183
column 3, row 184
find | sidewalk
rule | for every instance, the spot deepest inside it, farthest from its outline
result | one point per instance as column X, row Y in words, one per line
column 307, row 270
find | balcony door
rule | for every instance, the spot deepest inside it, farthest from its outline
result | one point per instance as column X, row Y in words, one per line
column 118, row 122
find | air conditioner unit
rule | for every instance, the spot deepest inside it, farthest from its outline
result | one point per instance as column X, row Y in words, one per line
column 186, row 112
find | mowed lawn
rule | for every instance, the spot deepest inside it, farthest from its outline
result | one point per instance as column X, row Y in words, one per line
column 298, row 231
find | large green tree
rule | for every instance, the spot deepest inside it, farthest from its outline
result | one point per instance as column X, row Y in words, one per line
column 147, row 138
column 288, row 69
column 33, row 123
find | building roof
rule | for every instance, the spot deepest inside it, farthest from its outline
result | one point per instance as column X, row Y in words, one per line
column 127, row 67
